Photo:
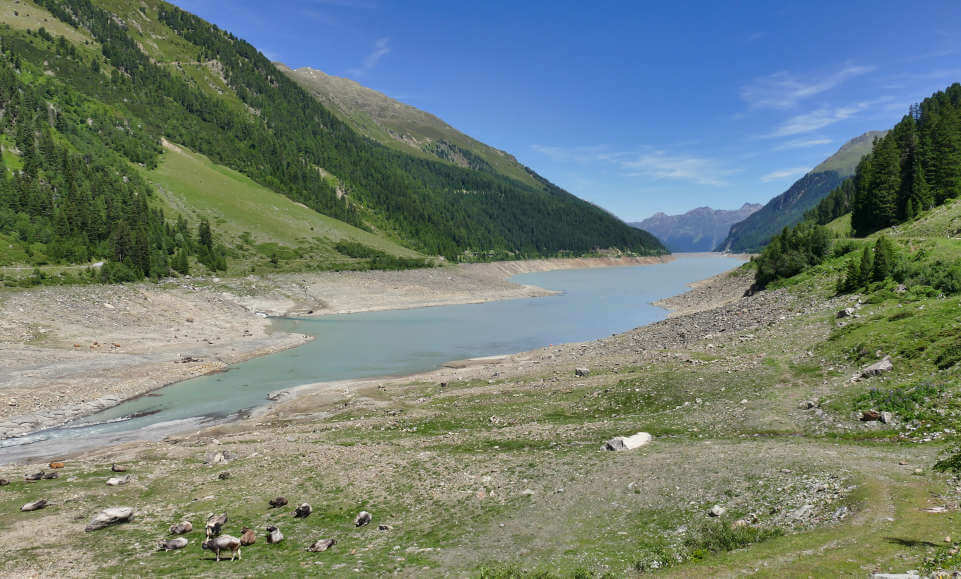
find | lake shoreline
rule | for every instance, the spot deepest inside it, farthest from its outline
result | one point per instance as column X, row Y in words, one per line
column 98, row 346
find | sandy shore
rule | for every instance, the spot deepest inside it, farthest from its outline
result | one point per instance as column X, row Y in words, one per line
column 66, row 352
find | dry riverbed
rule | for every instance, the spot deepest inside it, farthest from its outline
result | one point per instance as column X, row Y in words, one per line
column 66, row 352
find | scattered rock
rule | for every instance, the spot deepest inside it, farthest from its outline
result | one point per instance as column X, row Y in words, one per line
column 362, row 519
column 218, row 457
column 34, row 506
column 274, row 535
column 628, row 442
column 223, row 476
column 806, row 404
column 582, row 372
column 277, row 395
column 717, row 511
column 303, row 511
column 116, row 481
column 4, row 482
column 846, row 313
column 181, row 528
column 878, row 368
column 385, row 528
column 322, row 545
column 172, row 544
column 110, row 516
column 277, row 502
column 801, row 512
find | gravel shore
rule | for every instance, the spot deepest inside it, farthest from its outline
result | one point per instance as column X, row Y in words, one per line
column 67, row 352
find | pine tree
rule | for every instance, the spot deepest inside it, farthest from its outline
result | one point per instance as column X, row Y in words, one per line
column 883, row 260
column 865, row 268
column 852, row 276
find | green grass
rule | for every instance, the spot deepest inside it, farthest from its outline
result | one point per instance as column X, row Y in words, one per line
column 252, row 217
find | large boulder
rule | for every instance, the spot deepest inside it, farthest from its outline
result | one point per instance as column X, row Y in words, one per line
column 878, row 368
column 628, row 442
column 110, row 516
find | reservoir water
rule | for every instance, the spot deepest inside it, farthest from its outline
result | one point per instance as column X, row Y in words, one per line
column 594, row 303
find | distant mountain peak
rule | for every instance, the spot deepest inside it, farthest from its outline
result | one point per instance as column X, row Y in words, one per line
column 700, row 229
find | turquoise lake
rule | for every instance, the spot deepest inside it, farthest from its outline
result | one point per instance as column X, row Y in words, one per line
column 594, row 303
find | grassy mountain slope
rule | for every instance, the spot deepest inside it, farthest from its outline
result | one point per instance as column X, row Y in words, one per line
column 254, row 221
column 89, row 98
column 216, row 94
column 402, row 126
column 700, row 229
column 788, row 208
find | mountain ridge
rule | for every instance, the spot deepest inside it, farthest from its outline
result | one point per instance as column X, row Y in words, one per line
column 699, row 229
column 788, row 208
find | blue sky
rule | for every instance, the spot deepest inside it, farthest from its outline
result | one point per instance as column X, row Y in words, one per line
column 636, row 106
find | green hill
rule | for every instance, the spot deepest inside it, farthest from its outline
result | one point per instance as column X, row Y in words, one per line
column 91, row 92
column 404, row 127
column 788, row 208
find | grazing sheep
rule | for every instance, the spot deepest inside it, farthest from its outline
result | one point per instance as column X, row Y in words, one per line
column 224, row 475
column 116, row 481
column 303, row 511
column 50, row 475
column 322, row 545
column 274, row 535
column 56, row 465
column 278, row 502
column 33, row 477
column 172, row 544
column 362, row 519
column 110, row 516
column 34, row 506
column 248, row 537
column 181, row 528
column 215, row 524
column 118, row 468
column 223, row 543
column 4, row 482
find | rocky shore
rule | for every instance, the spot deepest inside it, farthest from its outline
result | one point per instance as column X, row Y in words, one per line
column 67, row 352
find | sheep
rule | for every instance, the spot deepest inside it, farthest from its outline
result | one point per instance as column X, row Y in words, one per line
column 181, row 528
column 274, row 535
column 50, row 475
column 362, row 519
column 116, row 481
column 33, row 477
column 303, row 511
column 278, row 502
column 172, row 544
column 322, row 545
column 118, row 468
column 215, row 523
column 56, row 465
column 4, row 482
column 224, row 475
column 223, row 543
column 34, row 506
column 248, row 537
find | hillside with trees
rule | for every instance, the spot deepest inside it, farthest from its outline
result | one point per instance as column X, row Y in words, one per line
column 88, row 106
column 790, row 207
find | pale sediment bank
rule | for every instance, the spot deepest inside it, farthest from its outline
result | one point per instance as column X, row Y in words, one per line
column 67, row 352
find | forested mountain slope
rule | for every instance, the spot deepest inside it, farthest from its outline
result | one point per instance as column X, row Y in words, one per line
column 788, row 208
column 89, row 102
column 700, row 229
column 404, row 127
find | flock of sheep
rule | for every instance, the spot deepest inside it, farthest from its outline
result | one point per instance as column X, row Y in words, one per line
column 215, row 541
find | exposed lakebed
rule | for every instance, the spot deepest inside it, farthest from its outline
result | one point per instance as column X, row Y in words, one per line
column 594, row 303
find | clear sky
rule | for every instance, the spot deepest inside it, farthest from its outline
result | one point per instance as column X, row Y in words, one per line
column 636, row 106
